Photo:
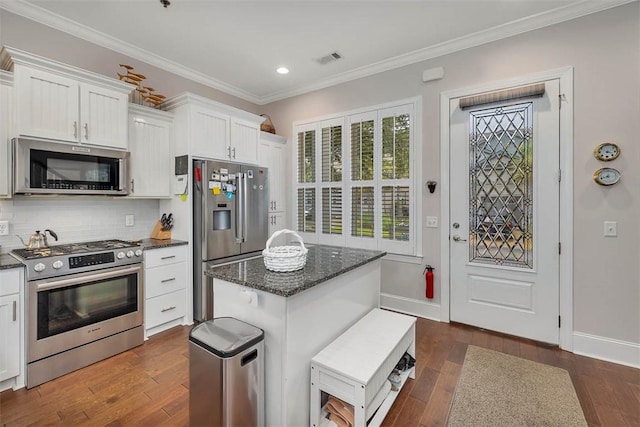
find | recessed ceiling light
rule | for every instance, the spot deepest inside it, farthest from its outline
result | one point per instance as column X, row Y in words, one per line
column 282, row 70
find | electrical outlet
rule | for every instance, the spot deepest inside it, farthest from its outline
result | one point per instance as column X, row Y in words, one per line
column 4, row 228
column 129, row 220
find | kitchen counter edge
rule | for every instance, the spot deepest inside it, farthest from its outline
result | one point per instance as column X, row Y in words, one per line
column 150, row 244
column 323, row 264
column 7, row 262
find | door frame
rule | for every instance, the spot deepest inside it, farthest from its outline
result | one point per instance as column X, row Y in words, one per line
column 565, row 75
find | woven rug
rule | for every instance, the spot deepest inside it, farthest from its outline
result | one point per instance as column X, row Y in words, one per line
column 496, row 389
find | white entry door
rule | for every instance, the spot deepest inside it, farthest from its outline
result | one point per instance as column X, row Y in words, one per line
column 504, row 215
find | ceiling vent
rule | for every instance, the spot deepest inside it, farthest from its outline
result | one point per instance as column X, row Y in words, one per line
column 334, row 56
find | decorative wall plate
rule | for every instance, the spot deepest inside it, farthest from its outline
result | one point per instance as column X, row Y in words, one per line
column 607, row 151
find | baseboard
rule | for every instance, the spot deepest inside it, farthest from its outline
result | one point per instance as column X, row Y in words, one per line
column 608, row 349
column 417, row 308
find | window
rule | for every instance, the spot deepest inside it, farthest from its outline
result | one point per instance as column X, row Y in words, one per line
column 365, row 193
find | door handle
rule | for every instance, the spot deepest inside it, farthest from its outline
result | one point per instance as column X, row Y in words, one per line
column 229, row 151
column 86, row 131
column 75, row 129
column 15, row 311
column 457, row 238
column 234, row 152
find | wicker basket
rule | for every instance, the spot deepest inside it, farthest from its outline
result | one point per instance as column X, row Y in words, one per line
column 284, row 258
column 267, row 125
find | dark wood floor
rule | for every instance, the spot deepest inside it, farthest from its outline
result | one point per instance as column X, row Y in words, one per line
column 149, row 384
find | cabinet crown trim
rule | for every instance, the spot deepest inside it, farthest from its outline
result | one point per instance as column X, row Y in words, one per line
column 188, row 98
column 9, row 57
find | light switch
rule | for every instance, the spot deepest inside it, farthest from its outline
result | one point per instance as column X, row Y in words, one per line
column 610, row 229
column 432, row 222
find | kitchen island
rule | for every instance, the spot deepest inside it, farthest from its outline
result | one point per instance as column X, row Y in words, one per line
column 300, row 312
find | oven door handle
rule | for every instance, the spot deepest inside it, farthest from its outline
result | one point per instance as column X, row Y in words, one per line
column 84, row 278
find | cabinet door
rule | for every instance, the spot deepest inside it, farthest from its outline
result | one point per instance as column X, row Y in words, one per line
column 244, row 141
column 47, row 105
column 103, row 117
column 210, row 135
column 273, row 155
column 277, row 221
column 6, row 94
column 150, row 161
column 9, row 337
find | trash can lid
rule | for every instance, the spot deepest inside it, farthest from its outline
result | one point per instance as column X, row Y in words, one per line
column 225, row 336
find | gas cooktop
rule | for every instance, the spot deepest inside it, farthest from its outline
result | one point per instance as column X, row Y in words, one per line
column 60, row 260
column 72, row 248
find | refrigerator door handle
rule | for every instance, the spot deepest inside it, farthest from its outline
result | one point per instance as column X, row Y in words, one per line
column 241, row 204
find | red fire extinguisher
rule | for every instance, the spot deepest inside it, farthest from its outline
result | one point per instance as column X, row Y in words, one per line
column 429, row 279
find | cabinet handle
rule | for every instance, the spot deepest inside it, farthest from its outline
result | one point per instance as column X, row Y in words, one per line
column 15, row 311
column 133, row 186
column 86, row 131
column 229, row 151
column 75, row 129
column 168, row 309
column 168, row 257
column 234, row 152
column 168, row 280
column 275, row 205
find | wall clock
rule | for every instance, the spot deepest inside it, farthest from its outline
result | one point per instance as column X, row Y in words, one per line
column 606, row 176
column 607, row 151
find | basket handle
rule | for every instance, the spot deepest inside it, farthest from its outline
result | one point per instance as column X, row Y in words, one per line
column 285, row 231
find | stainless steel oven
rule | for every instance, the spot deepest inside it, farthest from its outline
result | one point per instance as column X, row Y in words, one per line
column 76, row 319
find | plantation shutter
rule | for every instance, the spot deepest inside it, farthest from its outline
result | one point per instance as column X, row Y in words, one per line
column 306, row 171
column 331, row 163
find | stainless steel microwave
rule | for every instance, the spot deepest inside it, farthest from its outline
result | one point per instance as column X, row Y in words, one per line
column 47, row 167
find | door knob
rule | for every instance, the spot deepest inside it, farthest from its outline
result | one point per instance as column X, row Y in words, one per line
column 457, row 238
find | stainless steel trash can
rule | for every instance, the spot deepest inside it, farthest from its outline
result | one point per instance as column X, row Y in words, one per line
column 226, row 374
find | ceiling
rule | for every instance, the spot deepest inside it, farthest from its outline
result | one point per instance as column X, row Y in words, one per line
column 235, row 45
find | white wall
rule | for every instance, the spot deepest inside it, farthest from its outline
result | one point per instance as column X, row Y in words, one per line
column 604, row 48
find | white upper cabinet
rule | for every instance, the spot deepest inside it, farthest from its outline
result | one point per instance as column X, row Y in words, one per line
column 214, row 130
column 244, row 141
column 150, row 147
column 6, row 110
column 210, row 133
column 65, row 103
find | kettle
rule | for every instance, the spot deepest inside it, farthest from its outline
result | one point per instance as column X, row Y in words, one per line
column 38, row 240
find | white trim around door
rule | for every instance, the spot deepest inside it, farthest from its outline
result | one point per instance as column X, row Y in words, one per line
column 565, row 75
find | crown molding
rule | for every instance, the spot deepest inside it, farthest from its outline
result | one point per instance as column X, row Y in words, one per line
column 43, row 16
column 534, row 22
column 509, row 29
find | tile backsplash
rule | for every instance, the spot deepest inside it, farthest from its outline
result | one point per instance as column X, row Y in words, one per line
column 76, row 219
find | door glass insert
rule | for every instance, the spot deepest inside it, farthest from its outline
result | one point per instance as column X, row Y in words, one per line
column 501, row 186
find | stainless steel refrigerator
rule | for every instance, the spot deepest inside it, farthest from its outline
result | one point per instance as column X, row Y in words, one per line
column 230, row 205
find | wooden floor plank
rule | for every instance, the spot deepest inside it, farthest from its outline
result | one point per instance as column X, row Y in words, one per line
column 149, row 385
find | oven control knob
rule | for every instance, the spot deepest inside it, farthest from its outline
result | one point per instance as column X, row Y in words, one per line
column 120, row 255
column 129, row 254
column 139, row 252
column 39, row 267
column 58, row 264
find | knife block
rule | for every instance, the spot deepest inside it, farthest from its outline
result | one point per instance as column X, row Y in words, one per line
column 159, row 233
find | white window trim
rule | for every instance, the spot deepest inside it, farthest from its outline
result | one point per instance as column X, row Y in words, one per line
column 416, row 193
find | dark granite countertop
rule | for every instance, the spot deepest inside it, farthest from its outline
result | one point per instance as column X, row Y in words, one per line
column 7, row 262
column 323, row 263
column 149, row 244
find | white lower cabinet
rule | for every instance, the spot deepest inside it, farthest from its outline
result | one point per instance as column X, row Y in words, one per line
column 165, row 284
column 10, row 326
column 277, row 221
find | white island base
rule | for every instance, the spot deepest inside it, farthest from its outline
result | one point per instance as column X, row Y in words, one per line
column 296, row 328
